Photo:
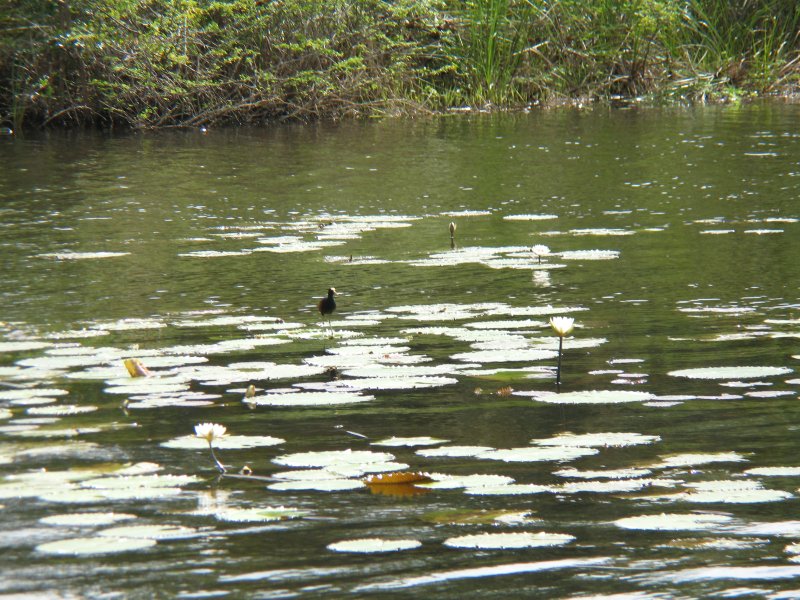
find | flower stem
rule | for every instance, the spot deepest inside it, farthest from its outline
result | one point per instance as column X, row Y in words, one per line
column 558, row 370
column 220, row 466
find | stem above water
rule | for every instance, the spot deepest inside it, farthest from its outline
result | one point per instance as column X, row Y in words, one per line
column 558, row 369
column 220, row 466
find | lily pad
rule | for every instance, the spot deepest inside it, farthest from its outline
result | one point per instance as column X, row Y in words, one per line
column 255, row 515
column 730, row 372
column 774, row 471
column 614, row 486
column 149, row 532
column 608, row 474
column 322, row 485
column 451, row 482
column 509, row 541
column 511, row 489
column 602, row 440
column 731, row 492
column 695, row 459
column 90, row 519
column 537, row 454
column 530, row 217
column 60, row 410
column 409, row 441
column 674, row 522
column 332, row 458
column 373, row 545
column 462, row 516
column 310, row 398
column 589, row 254
column 453, row 451
column 82, row 255
column 88, row 546
column 511, row 355
column 597, row 397
column 228, row 442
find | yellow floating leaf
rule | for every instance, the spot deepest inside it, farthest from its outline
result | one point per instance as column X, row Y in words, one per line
column 136, row 368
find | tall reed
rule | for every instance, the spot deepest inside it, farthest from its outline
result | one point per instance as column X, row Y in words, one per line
column 492, row 41
column 745, row 42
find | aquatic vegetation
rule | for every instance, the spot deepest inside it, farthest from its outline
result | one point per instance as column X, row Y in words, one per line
column 730, row 492
column 88, row 519
column 378, row 435
column 596, row 397
column 333, row 458
column 675, row 522
column 89, row 546
column 409, row 441
column 322, row 485
column 453, row 451
column 510, row 489
column 256, row 514
column 693, row 460
column 509, row 541
column 480, row 517
column 530, row 217
column 450, row 482
column 82, row 255
column 731, row 372
column 373, row 545
column 227, row 442
column 296, row 398
column 589, row 254
column 533, row 454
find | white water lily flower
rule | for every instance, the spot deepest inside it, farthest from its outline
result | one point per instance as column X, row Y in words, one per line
column 209, row 431
column 562, row 325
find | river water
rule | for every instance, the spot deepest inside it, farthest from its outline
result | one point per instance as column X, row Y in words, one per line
column 665, row 464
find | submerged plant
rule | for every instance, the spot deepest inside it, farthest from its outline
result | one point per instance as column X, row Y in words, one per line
column 210, row 432
column 562, row 326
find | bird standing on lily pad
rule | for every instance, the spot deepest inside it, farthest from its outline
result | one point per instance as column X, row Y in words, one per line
column 563, row 326
column 327, row 305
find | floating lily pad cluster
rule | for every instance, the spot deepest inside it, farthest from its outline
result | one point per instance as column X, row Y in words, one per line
column 239, row 363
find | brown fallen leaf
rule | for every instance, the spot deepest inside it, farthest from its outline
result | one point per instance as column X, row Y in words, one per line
column 402, row 477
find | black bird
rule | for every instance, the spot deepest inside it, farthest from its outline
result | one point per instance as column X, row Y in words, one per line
column 327, row 305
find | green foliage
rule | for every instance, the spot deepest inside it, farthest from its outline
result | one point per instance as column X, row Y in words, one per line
column 158, row 63
column 491, row 45
column 163, row 63
column 742, row 43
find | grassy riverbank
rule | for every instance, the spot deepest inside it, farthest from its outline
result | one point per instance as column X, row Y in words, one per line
column 190, row 63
